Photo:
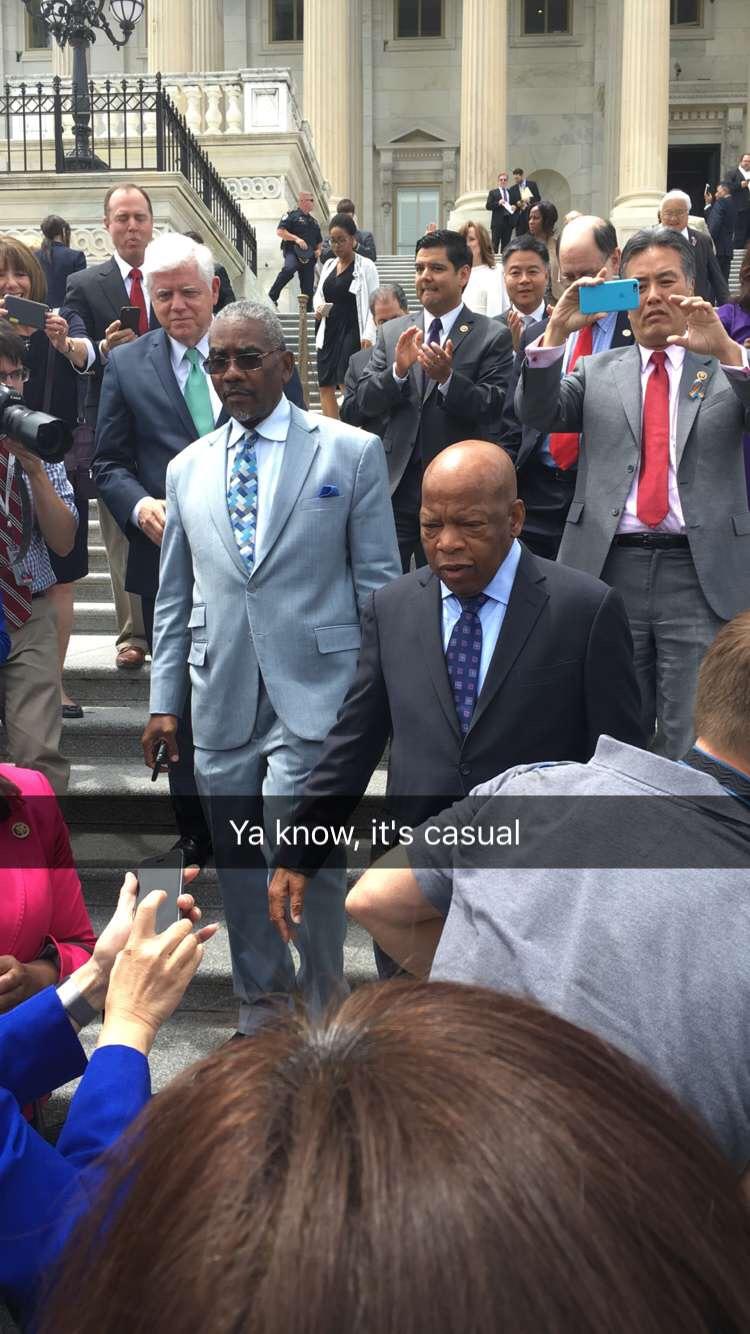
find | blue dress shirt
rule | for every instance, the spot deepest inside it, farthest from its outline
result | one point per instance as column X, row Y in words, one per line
column 491, row 615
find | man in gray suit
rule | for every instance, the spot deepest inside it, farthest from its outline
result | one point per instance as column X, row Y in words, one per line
column 278, row 527
column 660, row 508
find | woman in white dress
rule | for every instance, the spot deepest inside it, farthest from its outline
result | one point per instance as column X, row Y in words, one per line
column 485, row 291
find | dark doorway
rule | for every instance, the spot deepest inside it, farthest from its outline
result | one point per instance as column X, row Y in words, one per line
column 690, row 167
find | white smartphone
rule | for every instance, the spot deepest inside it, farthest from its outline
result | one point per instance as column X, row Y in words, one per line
column 163, row 872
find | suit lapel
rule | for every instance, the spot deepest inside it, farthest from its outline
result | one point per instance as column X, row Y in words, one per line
column 626, row 373
column 217, row 499
column 528, row 597
column 687, row 407
column 428, row 614
column 113, row 288
column 301, row 446
column 162, row 362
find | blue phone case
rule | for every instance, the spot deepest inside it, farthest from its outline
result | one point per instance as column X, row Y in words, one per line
column 620, row 294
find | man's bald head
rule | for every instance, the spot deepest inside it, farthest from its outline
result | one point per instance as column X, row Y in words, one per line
column 470, row 514
column 586, row 245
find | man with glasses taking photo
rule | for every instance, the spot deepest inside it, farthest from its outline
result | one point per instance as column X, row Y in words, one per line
column 37, row 510
column 278, row 527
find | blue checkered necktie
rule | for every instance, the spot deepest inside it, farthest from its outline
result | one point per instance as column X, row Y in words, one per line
column 463, row 656
column 242, row 497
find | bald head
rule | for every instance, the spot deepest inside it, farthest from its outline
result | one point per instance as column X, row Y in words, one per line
column 470, row 514
column 587, row 244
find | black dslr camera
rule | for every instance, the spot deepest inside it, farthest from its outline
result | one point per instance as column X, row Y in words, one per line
column 47, row 437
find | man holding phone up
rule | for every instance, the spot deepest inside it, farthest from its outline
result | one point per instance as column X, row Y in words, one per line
column 660, row 509
column 101, row 295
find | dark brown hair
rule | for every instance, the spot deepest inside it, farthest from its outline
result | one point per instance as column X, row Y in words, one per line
column 433, row 1159
column 54, row 228
column 126, row 185
column 486, row 253
column 722, row 699
column 17, row 256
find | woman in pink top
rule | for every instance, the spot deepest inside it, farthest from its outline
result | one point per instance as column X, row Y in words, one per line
column 45, row 931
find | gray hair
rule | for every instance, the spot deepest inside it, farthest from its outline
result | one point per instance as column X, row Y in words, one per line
column 677, row 194
column 242, row 311
column 387, row 290
column 659, row 238
column 170, row 251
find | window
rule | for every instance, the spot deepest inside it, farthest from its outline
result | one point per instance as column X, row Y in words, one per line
column 686, row 13
column 37, row 35
column 546, row 16
column 287, row 20
column 419, row 18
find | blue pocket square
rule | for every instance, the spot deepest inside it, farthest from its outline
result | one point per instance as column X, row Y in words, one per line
column 326, row 491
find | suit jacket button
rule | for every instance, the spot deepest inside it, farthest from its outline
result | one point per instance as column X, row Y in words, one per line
column 631, row 467
column 615, row 513
column 465, row 769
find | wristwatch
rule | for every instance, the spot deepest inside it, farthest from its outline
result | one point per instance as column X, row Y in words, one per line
column 75, row 1004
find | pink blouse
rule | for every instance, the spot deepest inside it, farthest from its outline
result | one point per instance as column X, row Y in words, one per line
column 40, row 893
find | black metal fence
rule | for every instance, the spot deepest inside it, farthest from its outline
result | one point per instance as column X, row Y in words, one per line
column 134, row 126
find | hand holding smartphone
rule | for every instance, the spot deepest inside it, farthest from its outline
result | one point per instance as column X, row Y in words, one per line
column 163, row 872
column 29, row 314
column 620, row 294
column 130, row 318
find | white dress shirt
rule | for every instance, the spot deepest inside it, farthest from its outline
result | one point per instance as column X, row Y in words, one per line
column 126, row 269
column 491, row 615
column 535, row 315
column 270, row 445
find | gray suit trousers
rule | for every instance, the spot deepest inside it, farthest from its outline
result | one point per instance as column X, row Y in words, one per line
column 261, row 782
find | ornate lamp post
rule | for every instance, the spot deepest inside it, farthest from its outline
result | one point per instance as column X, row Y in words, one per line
column 77, row 22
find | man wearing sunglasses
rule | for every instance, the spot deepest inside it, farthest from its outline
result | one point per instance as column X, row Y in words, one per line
column 278, row 526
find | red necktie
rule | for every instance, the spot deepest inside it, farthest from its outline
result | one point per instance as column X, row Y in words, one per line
column 138, row 299
column 564, row 445
column 652, row 503
column 16, row 597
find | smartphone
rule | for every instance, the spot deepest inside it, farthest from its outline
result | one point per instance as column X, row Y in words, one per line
column 130, row 318
column 163, row 872
column 620, row 294
column 30, row 313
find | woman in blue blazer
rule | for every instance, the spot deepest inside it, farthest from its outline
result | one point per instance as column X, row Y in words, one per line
column 45, row 1188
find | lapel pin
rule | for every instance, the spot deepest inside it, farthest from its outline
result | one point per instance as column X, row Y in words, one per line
column 627, row 333
column 463, row 328
column 701, row 375
column 20, row 830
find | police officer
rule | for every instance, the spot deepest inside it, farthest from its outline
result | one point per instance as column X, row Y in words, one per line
column 301, row 240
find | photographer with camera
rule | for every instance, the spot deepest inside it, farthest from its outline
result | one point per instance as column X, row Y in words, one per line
column 37, row 508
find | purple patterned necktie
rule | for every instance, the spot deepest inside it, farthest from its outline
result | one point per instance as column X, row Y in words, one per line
column 463, row 656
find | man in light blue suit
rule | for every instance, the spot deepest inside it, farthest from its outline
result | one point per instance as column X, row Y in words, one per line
column 279, row 525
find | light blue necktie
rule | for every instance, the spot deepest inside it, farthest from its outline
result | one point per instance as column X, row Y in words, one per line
column 197, row 394
column 242, row 497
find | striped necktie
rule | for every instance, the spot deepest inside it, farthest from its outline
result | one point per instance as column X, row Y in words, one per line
column 16, row 597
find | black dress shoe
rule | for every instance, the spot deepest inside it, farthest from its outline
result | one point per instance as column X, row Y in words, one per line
column 195, row 851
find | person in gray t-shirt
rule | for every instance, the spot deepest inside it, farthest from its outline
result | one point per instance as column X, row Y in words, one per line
column 650, row 950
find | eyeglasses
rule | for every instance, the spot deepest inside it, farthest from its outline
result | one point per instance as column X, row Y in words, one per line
column 16, row 377
column 217, row 363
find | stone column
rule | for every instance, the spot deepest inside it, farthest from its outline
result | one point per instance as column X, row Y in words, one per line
column 208, row 35
column 326, row 79
column 170, row 37
column 484, row 86
column 62, row 60
column 643, row 107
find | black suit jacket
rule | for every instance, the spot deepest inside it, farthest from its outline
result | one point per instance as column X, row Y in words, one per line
column 740, row 193
column 58, row 262
column 143, row 422
column 419, row 417
column 561, row 674
column 98, row 295
column 720, row 223
column 709, row 279
column 349, row 411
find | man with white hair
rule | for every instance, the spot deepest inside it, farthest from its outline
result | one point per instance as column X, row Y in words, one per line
column 710, row 283
column 156, row 398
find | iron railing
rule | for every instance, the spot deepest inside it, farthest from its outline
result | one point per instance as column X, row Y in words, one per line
column 134, row 127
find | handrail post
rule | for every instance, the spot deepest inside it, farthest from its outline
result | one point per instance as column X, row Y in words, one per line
column 304, row 354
